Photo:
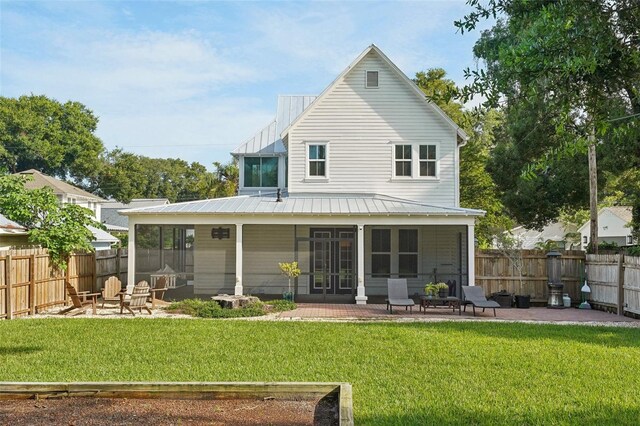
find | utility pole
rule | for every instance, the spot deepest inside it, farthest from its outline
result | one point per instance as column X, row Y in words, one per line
column 593, row 193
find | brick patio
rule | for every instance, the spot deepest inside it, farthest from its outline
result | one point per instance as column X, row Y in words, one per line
column 374, row 311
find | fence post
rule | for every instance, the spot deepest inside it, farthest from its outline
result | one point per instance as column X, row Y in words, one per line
column 32, row 284
column 94, row 273
column 7, row 276
column 118, row 254
column 621, row 284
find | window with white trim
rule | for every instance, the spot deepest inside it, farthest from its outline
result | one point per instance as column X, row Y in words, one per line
column 371, row 79
column 317, row 155
column 403, row 160
column 428, row 160
column 407, row 253
column 381, row 253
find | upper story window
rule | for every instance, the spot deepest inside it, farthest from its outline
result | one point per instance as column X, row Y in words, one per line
column 371, row 79
column 403, row 160
column 428, row 160
column 317, row 160
column 415, row 161
column 260, row 172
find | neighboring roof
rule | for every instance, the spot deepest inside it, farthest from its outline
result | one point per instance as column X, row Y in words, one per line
column 134, row 203
column 555, row 231
column 8, row 226
column 267, row 141
column 101, row 236
column 621, row 212
column 114, row 221
column 40, row 180
column 461, row 134
column 309, row 204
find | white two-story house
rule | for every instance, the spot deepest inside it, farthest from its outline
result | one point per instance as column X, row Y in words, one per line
column 368, row 180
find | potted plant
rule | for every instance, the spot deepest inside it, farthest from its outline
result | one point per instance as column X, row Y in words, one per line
column 430, row 290
column 290, row 270
column 443, row 290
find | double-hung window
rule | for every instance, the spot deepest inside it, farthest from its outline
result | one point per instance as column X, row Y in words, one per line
column 428, row 161
column 403, row 160
column 317, row 160
column 260, row 172
column 408, row 253
column 381, row 253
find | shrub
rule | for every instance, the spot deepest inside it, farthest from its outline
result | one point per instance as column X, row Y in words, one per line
column 211, row 309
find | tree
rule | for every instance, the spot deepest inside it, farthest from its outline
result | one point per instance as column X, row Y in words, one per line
column 577, row 61
column 58, row 139
column 477, row 188
column 62, row 229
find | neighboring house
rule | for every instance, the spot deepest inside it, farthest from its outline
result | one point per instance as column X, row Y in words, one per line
column 555, row 232
column 115, row 222
column 370, row 176
column 12, row 234
column 612, row 227
column 69, row 194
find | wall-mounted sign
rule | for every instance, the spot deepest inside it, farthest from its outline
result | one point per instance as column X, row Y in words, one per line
column 220, row 233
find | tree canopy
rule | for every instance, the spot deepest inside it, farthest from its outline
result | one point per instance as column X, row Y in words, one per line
column 560, row 71
column 61, row 228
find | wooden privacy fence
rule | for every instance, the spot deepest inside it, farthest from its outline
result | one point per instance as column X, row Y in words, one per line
column 29, row 283
column 495, row 272
column 614, row 280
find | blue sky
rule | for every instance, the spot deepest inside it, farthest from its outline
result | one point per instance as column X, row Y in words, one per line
column 194, row 79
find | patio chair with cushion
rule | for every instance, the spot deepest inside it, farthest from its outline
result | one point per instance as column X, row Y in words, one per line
column 398, row 294
column 475, row 297
column 111, row 290
column 79, row 301
column 137, row 300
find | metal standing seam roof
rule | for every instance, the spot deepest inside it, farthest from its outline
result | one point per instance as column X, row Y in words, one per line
column 310, row 204
column 267, row 141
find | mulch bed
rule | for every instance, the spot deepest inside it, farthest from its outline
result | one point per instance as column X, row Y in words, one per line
column 79, row 411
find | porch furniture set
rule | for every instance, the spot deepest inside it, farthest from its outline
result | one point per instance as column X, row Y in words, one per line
column 472, row 295
column 133, row 297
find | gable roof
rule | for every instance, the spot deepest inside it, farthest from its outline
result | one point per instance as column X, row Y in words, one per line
column 40, row 180
column 462, row 136
column 621, row 212
column 267, row 141
column 308, row 204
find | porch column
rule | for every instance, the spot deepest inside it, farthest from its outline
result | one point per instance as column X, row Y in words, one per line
column 471, row 256
column 238, row 289
column 361, row 299
column 131, row 253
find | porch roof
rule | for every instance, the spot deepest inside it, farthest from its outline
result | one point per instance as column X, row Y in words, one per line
column 307, row 204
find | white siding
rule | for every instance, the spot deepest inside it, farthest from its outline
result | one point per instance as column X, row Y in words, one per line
column 361, row 125
column 214, row 261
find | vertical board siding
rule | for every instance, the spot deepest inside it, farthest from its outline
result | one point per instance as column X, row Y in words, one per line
column 360, row 126
column 632, row 284
column 602, row 275
column 495, row 272
column 35, row 285
column 264, row 248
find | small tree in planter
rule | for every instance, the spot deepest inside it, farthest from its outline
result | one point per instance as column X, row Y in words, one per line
column 290, row 270
column 511, row 247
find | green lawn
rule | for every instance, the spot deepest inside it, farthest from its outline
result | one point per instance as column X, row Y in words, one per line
column 438, row 373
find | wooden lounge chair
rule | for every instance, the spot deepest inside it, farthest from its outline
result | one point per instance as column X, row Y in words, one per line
column 398, row 294
column 157, row 293
column 137, row 300
column 79, row 301
column 475, row 297
column 111, row 290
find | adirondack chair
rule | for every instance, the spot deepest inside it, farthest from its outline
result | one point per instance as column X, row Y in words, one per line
column 137, row 300
column 79, row 301
column 111, row 290
column 157, row 293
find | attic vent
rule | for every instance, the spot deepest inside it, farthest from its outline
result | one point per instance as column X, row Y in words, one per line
column 371, row 79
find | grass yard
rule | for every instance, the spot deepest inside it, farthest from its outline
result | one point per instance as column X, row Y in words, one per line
column 434, row 373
